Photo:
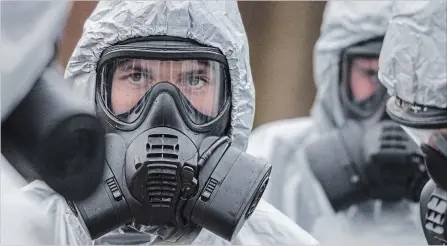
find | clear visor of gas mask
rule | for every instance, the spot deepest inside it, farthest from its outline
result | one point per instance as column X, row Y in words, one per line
column 126, row 83
column 363, row 80
column 362, row 91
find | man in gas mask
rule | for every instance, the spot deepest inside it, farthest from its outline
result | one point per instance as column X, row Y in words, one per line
column 172, row 84
column 347, row 174
column 42, row 122
column 413, row 66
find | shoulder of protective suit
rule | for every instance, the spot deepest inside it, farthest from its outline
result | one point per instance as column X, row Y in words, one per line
column 272, row 227
column 265, row 137
column 266, row 226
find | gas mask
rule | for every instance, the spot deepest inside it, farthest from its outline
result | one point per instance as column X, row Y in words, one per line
column 166, row 105
column 428, row 127
column 361, row 93
column 54, row 136
column 370, row 156
column 433, row 203
column 48, row 132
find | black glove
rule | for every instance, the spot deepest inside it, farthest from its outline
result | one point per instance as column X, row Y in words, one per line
column 354, row 164
column 394, row 163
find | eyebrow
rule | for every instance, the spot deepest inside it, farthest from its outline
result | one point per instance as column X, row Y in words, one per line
column 195, row 71
column 365, row 67
column 128, row 65
column 211, row 65
column 204, row 62
column 125, row 65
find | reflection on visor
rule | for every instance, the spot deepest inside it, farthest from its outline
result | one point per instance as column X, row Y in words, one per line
column 420, row 136
column 126, row 82
column 426, row 136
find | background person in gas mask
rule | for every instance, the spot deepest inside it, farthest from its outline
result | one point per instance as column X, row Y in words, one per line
column 347, row 174
column 413, row 66
column 200, row 86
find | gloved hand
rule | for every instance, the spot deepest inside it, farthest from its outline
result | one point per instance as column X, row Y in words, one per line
column 394, row 164
column 356, row 163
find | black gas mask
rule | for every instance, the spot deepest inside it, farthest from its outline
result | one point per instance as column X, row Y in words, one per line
column 428, row 127
column 361, row 93
column 51, row 134
column 433, row 202
column 47, row 132
column 54, row 136
column 166, row 104
column 370, row 156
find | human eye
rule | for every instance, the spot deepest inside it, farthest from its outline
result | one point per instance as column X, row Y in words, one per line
column 370, row 72
column 137, row 78
column 195, row 81
column 366, row 69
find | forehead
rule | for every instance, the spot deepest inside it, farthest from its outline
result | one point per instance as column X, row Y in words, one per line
column 365, row 60
column 362, row 63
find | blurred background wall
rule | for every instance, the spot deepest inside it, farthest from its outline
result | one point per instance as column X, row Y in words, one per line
column 281, row 37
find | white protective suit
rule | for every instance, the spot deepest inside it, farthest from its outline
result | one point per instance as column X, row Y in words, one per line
column 216, row 24
column 413, row 60
column 28, row 35
column 293, row 188
column 21, row 221
column 28, row 30
column 413, row 67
